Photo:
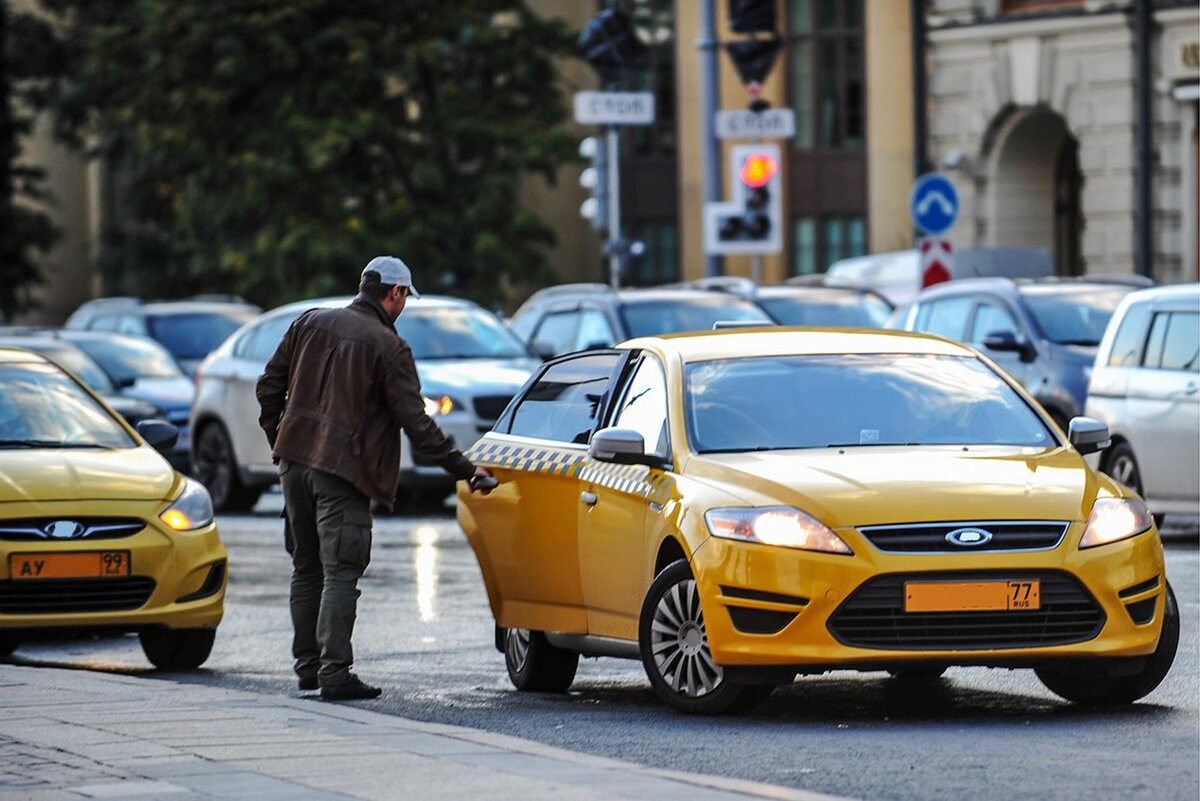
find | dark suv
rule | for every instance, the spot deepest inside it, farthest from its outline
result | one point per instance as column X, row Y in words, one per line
column 572, row 317
column 1044, row 332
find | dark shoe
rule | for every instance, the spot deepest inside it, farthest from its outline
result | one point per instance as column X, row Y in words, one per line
column 308, row 683
column 350, row 690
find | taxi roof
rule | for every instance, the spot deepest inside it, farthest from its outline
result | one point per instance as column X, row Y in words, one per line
column 791, row 341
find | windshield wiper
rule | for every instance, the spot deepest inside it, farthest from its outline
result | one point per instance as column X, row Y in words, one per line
column 45, row 443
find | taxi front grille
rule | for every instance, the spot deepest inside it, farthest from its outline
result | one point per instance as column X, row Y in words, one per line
column 1015, row 535
column 874, row 617
column 66, row 596
column 64, row 528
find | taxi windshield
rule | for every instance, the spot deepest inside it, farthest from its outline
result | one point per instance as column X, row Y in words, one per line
column 40, row 407
column 853, row 400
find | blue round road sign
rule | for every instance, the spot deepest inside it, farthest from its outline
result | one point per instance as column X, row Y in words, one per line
column 933, row 203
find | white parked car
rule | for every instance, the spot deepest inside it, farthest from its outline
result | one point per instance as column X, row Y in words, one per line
column 469, row 363
column 1145, row 386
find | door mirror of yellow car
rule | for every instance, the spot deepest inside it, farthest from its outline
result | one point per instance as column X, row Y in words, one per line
column 622, row 446
column 1088, row 435
column 159, row 434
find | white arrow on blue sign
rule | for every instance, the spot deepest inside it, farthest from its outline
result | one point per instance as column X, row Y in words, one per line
column 933, row 203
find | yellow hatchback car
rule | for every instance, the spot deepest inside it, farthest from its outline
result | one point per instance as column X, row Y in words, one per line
column 734, row 508
column 97, row 532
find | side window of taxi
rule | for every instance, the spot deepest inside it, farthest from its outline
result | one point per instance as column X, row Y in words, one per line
column 565, row 403
column 643, row 406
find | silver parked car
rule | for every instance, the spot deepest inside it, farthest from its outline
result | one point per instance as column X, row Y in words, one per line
column 1145, row 386
column 470, row 366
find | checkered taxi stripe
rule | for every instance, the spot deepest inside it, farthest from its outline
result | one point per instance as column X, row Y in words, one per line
column 634, row 479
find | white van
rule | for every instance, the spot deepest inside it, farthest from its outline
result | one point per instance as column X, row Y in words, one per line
column 1145, row 387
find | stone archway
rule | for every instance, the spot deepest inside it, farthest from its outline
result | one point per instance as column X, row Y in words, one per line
column 1035, row 184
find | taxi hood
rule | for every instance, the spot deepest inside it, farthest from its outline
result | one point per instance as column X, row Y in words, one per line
column 120, row 474
column 878, row 485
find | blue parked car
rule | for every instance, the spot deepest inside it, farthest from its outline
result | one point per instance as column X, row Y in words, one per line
column 1044, row 332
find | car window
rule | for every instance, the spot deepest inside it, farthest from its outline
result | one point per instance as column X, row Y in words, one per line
column 856, row 311
column 126, row 359
column 260, row 342
column 564, row 404
column 1130, row 341
column 194, row 336
column 1074, row 317
column 594, row 331
column 654, row 317
column 947, row 318
column 557, row 332
column 103, row 322
column 522, row 325
column 643, row 407
column 853, row 400
column 40, row 404
column 128, row 324
column 457, row 333
column 992, row 319
column 1174, row 341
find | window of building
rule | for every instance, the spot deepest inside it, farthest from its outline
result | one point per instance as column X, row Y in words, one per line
column 654, row 21
column 816, row 246
column 825, row 73
column 659, row 263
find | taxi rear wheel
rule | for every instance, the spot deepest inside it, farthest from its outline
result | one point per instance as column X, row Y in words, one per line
column 177, row 649
column 674, row 646
column 1091, row 689
column 534, row 665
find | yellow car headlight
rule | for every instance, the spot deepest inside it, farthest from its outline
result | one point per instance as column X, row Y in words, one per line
column 193, row 508
column 1114, row 519
column 443, row 404
column 775, row 525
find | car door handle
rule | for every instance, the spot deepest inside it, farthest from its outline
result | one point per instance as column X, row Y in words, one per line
column 588, row 497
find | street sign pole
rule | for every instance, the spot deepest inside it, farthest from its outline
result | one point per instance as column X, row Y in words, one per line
column 615, row 259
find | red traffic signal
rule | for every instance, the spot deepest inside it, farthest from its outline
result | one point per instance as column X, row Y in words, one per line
column 758, row 169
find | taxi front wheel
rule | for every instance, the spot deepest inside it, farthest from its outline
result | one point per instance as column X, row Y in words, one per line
column 177, row 649
column 1092, row 689
column 535, row 665
column 675, row 653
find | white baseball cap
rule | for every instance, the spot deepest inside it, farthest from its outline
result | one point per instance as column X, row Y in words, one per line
column 392, row 271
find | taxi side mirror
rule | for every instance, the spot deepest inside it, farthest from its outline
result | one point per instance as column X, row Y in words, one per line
column 621, row 446
column 1088, row 435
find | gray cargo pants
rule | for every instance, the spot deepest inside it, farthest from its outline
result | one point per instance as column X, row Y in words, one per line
column 329, row 536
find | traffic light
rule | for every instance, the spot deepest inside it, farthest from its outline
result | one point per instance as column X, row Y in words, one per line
column 595, row 179
column 752, row 222
column 610, row 44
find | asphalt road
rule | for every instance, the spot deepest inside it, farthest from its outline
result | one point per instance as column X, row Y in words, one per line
column 425, row 634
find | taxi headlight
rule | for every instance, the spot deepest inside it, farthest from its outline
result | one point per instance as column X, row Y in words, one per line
column 775, row 525
column 193, row 508
column 442, row 404
column 1114, row 519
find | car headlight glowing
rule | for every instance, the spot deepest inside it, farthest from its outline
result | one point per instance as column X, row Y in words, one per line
column 443, row 404
column 1114, row 519
column 193, row 508
column 775, row 525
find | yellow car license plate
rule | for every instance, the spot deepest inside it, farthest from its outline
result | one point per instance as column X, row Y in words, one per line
column 971, row 596
column 90, row 564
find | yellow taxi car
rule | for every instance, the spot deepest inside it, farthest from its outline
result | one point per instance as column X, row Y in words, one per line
column 97, row 532
column 734, row 508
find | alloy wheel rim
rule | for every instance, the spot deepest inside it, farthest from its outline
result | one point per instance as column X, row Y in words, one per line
column 679, row 643
column 1124, row 470
column 516, row 648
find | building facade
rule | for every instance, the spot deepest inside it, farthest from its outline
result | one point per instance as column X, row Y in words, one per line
column 1033, row 111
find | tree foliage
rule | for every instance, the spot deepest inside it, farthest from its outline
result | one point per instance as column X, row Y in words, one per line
column 271, row 147
column 27, row 64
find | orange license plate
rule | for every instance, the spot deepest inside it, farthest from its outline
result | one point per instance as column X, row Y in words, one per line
column 972, row 596
column 91, row 564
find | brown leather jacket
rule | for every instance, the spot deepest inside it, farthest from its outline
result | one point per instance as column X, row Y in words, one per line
column 336, row 394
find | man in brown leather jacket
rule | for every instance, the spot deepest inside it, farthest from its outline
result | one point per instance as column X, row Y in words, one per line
column 334, row 397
